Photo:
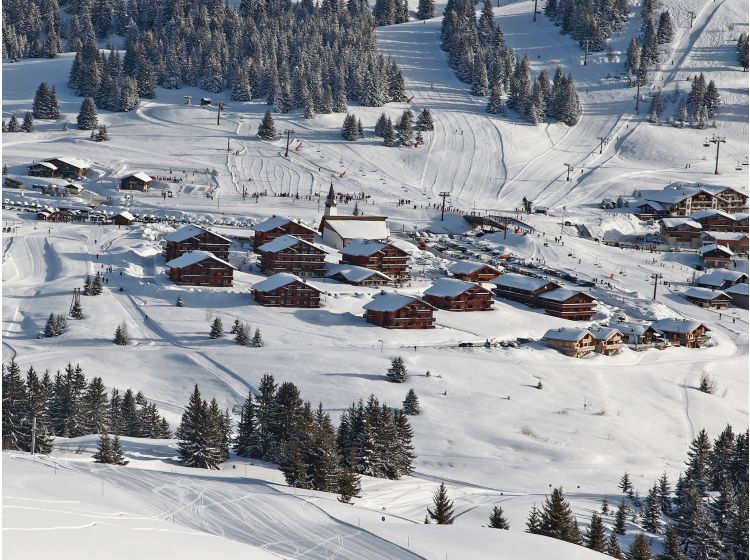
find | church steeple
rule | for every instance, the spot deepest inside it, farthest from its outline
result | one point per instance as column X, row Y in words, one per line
column 330, row 202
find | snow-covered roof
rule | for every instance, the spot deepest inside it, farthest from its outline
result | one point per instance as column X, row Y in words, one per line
column 739, row 216
column 714, row 247
column 127, row 215
column 738, row 289
column 450, row 287
column 467, row 267
column 276, row 281
column 186, row 259
column 561, row 294
column 139, row 175
column 632, row 328
column 191, row 230
column 725, row 235
column 363, row 247
column 359, row 229
column 277, row 221
column 46, row 164
column 676, row 222
column 74, row 162
column 673, row 194
column 568, row 334
column 520, row 282
column 392, row 302
column 708, row 212
column 604, row 333
column 719, row 276
column 283, row 242
column 354, row 274
column 653, row 204
column 703, row 293
column 681, row 326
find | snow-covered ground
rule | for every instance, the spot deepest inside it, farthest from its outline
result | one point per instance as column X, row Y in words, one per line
column 485, row 429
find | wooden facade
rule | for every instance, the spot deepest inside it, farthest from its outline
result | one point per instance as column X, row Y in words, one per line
column 522, row 289
column 292, row 255
column 575, row 343
column 473, row 298
column 481, row 273
column 567, row 304
column 715, row 256
column 607, row 341
column 710, row 299
column 276, row 227
column 691, row 334
column 680, row 231
column 136, row 182
column 70, row 168
column 195, row 238
column 42, row 169
column 123, row 219
column 412, row 313
column 203, row 270
column 292, row 293
column 383, row 257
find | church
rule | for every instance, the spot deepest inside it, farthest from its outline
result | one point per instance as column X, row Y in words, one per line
column 338, row 231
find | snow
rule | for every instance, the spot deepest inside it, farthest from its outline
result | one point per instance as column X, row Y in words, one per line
column 708, row 213
column 193, row 257
column 48, row 165
column 713, row 247
column 703, row 293
column 283, row 242
column 276, row 221
column 276, row 281
column 519, row 281
column 676, row 222
column 353, row 273
column 74, row 162
column 739, row 289
column 467, row 267
column 139, row 175
column 188, row 231
column 725, row 235
column 362, row 248
column 568, row 334
column 718, row 276
column 449, row 287
column 680, row 326
column 560, row 294
column 376, row 230
column 604, row 333
column 125, row 214
column 391, row 302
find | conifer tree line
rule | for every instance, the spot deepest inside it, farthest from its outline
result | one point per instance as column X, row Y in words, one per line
column 278, row 426
column 389, row 12
column 585, row 19
column 742, row 51
column 31, row 28
column 46, row 105
column 479, row 55
column 294, row 55
column 705, row 516
column 694, row 109
column 67, row 404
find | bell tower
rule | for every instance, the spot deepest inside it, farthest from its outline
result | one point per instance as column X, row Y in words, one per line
column 330, row 203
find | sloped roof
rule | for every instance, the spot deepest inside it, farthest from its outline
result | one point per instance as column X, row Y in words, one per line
column 568, row 334
column 681, row 326
column 191, row 230
column 359, row 229
column 738, row 289
column 193, row 257
column 354, row 274
column 708, row 212
column 633, row 328
column 713, row 247
column 719, row 276
column 75, row 162
column 562, row 294
column 277, row 281
column 363, row 247
column 676, row 222
column 725, row 235
column 127, row 215
column 450, row 287
column 46, row 164
column 653, row 204
column 604, row 333
column 392, row 302
column 704, row 293
column 278, row 221
column 521, row 282
column 467, row 267
column 283, row 242
column 674, row 194
column 139, row 175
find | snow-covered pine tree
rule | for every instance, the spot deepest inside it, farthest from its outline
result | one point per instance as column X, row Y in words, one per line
column 349, row 128
column 116, row 453
column 404, row 449
column 595, row 537
column 479, row 83
column 424, row 121
column 613, row 547
column 557, row 519
column 633, row 56
column 104, row 453
column 625, row 485
column 652, row 512
column 405, row 128
column 380, row 125
column 217, row 329
column 442, row 514
column 257, row 338
column 13, row 125
column 121, row 335
column 411, row 403
column 389, row 134
column 94, row 413
column 241, row 88
column 698, row 463
column 14, row 405
column 605, row 505
column 197, row 444
column 620, row 518
column 245, row 445
column 324, row 457
column 639, row 548
column 665, row 32
column 495, row 102
column 672, row 548
column 720, row 458
column 242, row 337
column 497, row 519
column 87, row 119
column 426, row 9
column 711, row 100
column 534, row 522
column 235, row 326
column 267, row 129
column 50, row 328
column 38, row 393
column 397, row 372
column 348, row 481
column 40, row 107
column 96, row 285
column 102, row 135
column 742, row 51
column 28, row 122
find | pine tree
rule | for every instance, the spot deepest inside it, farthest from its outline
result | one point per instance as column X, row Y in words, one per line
column 235, row 326
column 116, row 453
column 411, row 403
column 38, row 393
column 49, row 328
column 720, row 458
column 245, row 445
column 665, row 32
column 639, row 549
column 497, row 520
column 348, row 482
column 652, row 513
column 28, row 122
column 479, row 83
column 401, row 445
column 41, row 102
column 426, row 9
column 633, row 56
column 711, row 100
column 397, row 372
column 605, row 506
column 104, row 454
column 625, row 485
column 267, row 129
column 699, row 461
column 405, row 128
column 672, row 550
column 96, row 285
column 13, row 409
column 380, row 125
column 121, row 335
column 257, row 339
column 76, row 311
column 87, row 119
column 613, row 547
column 242, row 337
column 196, row 444
column 323, row 454
column 349, row 128
column 389, row 134
column 557, row 519
column 620, row 518
column 13, row 125
column 595, row 537
column 442, row 514
column 495, row 102
column 424, row 121
column 534, row 523
column 94, row 413
column 217, row 329
column 665, row 502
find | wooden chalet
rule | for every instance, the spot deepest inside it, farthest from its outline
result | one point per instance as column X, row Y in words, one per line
column 396, row 311
column 520, row 288
column 607, row 340
column 636, row 335
column 567, row 304
column 356, row 275
column 286, row 290
column 715, row 220
column 716, row 256
column 137, row 181
column 200, row 268
column 706, row 297
column 452, row 294
column 650, row 209
column 721, row 279
column 276, row 226
column 570, row 341
column 70, row 167
column 736, row 241
column 11, row 183
column 42, row 169
column 339, row 231
column 293, row 255
column 383, row 257
column 739, row 295
column 124, row 218
column 474, row 271
column 680, row 231
column 195, row 238
column 729, row 199
column 683, row 332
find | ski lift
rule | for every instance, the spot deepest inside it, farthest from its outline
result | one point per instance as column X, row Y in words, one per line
column 707, row 145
